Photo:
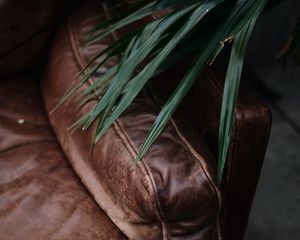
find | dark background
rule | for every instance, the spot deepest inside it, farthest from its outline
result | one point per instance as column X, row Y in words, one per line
column 276, row 209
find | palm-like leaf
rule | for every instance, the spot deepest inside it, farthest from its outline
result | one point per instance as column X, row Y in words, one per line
column 189, row 25
column 231, row 87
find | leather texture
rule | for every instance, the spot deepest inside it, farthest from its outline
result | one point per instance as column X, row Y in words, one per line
column 40, row 195
column 249, row 142
column 172, row 193
column 26, row 28
column 252, row 124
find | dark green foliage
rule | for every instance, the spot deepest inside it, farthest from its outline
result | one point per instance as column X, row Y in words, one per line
column 201, row 27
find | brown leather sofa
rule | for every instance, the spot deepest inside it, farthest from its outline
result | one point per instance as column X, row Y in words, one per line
column 54, row 186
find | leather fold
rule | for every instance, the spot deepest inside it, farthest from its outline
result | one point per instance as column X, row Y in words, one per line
column 172, row 193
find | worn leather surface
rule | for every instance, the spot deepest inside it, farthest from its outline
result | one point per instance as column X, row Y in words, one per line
column 26, row 28
column 250, row 136
column 172, row 193
column 40, row 195
column 249, row 142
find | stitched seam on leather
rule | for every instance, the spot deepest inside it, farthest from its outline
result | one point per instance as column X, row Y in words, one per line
column 129, row 141
column 75, row 45
column 80, row 62
column 196, row 155
column 217, row 86
column 232, row 153
column 233, row 149
column 134, row 155
column 129, row 144
column 213, row 187
column 190, row 147
column 133, row 151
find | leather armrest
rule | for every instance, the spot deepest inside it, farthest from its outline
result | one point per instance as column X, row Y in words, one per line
column 251, row 131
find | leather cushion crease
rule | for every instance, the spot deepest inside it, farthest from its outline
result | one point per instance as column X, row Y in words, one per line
column 251, row 131
column 172, row 193
column 41, row 196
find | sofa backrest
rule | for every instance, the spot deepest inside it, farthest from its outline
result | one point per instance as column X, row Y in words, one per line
column 26, row 28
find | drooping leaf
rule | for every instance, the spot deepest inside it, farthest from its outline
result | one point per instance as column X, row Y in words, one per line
column 151, row 37
column 156, row 46
column 231, row 87
column 141, row 79
column 229, row 27
column 135, row 16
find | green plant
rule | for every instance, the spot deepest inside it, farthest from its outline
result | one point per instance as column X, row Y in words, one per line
column 201, row 27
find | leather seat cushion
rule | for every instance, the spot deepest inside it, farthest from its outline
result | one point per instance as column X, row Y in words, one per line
column 40, row 195
column 172, row 193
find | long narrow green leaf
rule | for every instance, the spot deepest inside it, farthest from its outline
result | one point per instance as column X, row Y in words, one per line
column 141, row 79
column 72, row 89
column 137, row 83
column 214, row 46
column 152, row 35
column 122, row 13
column 135, row 16
column 176, row 98
column 124, row 73
column 231, row 87
column 160, row 35
column 101, row 81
